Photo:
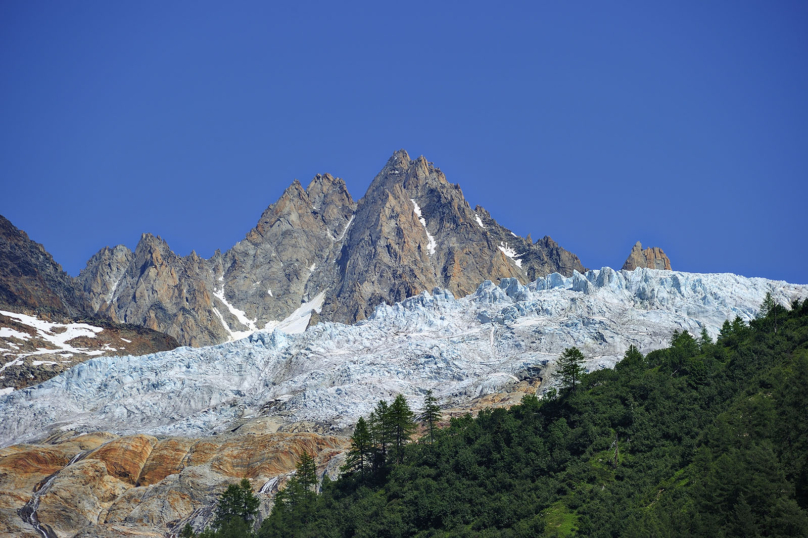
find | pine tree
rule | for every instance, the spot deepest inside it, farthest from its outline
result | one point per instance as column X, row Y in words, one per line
column 361, row 453
column 570, row 367
column 431, row 414
column 402, row 425
column 187, row 531
column 380, row 431
column 306, row 474
column 236, row 503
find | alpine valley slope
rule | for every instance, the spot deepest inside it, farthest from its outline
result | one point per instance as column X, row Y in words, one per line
column 316, row 250
column 333, row 373
column 140, row 446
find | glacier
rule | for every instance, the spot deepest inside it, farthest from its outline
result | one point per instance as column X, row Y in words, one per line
column 331, row 374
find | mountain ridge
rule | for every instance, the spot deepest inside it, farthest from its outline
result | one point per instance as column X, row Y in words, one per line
column 410, row 232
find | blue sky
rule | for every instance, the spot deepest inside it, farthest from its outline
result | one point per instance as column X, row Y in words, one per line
column 680, row 124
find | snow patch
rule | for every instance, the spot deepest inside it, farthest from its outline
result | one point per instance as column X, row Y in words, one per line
column 56, row 334
column 342, row 235
column 511, row 253
column 479, row 221
column 7, row 390
column 298, row 320
column 240, row 315
column 431, row 245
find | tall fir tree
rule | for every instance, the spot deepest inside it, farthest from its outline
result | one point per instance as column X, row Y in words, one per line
column 360, row 455
column 380, row 431
column 570, row 367
column 431, row 414
column 237, row 507
column 402, row 425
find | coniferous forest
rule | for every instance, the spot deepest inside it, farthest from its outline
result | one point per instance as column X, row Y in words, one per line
column 702, row 438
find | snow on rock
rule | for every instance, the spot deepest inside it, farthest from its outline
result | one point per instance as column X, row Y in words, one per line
column 511, row 253
column 479, row 221
column 55, row 334
column 240, row 315
column 332, row 373
column 432, row 244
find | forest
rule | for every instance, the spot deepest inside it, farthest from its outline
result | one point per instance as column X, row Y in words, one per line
column 702, row 438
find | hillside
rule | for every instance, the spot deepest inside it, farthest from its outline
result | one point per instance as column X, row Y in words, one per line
column 697, row 439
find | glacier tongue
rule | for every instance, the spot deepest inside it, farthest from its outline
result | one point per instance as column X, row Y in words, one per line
column 332, row 373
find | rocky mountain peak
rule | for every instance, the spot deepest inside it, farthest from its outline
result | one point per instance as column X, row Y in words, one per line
column 650, row 258
column 410, row 232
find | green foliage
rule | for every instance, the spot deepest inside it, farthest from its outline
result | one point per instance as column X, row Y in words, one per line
column 236, row 503
column 699, row 439
column 431, row 414
column 187, row 531
column 402, row 426
column 235, row 514
column 570, row 367
column 361, row 453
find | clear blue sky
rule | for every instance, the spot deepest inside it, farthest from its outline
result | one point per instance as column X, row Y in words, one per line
column 680, row 124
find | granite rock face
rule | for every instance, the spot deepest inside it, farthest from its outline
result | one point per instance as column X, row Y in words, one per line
column 31, row 280
column 650, row 258
column 47, row 322
column 315, row 252
column 100, row 484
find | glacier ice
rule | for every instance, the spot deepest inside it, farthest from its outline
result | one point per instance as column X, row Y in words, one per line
column 333, row 373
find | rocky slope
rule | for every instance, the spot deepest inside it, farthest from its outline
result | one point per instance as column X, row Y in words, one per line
column 30, row 278
column 100, row 484
column 317, row 251
column 192, row 420
column 33, row 350
column 46, row 322
column 650, row 258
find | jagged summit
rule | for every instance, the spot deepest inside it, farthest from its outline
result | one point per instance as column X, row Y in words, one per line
column 650, row 258
column 317, row 249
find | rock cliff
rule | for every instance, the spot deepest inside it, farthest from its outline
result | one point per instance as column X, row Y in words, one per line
column 47, row 323
column 650, row 258
column 30, row 279
column 317, row 252
column 100, row 484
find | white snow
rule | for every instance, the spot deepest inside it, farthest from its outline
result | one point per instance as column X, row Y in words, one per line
column 346, row 228
column 511, row 253
column 127, row 341
column 269, row 291
column 240, row 315
column 431, row 245
column 513, row 234
column 111, row 294
column 7, row 390
column 332, row 373
column 50, row 332
column 6, row 332
column 479, row 221
column 298, row 320
column 38, row 363
column 311, row 269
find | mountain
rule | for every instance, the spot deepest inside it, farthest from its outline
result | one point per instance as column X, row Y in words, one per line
column 157, row 436
column 316, row 252
column 31, row 279
column 47, row 324
column 650, row 258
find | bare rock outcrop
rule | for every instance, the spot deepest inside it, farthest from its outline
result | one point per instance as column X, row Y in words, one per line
column 103, row 485
column 31, row 280
column 650, row 258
